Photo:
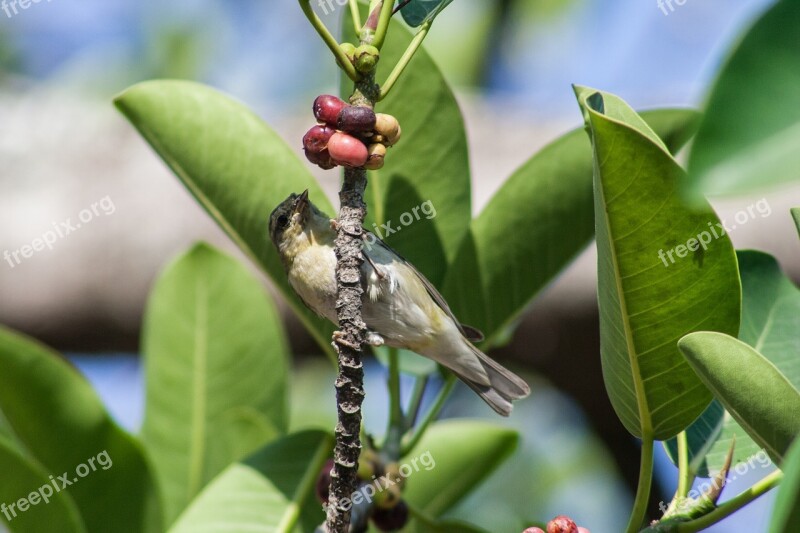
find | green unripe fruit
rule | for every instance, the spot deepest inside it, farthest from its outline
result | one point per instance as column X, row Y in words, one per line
column 388, row 498
column 349, row 50
column 366, row 57
column 393, row 469
column 366, row 464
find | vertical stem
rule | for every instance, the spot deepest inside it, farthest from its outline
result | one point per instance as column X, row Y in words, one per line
column 416, row 401
column 396, row 427
column 354, row 12
column 643, row 490
column 685, row 476
column 349, row 339
column 413, row 439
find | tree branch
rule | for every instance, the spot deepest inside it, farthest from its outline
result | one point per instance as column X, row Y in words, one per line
column 349, row 339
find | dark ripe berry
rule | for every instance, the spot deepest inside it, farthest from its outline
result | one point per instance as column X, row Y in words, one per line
column 391, row 519
column 562, row 524
column 316, row 139
column 347, row 150
column 356, row 119
column 533, row 530
column 327, row 108
column 324, row 481
column 321, row 159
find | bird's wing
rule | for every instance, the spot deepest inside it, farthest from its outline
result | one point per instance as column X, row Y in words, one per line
column 472, row 334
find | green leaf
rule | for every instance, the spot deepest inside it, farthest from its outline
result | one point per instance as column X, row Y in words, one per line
column 23, row 479
column 538, row 221
column 796, row 217
column 216, row 368
column 452, row 459
column 649, row 295
column 419, row 11
column 57, row 416
column 423, row 191
column 266, row 492
column 786, row 515
column 750, row 387
column 236, row 167
column 751, row 130
column 770, row 322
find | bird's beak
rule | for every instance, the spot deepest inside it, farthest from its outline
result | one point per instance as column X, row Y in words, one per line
column 301, row 202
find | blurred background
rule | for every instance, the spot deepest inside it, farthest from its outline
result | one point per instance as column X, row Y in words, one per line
column 64, row 148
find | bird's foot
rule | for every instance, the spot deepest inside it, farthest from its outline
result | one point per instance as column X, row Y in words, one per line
column 340, row 337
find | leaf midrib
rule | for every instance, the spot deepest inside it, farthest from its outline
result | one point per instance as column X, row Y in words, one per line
column 641, row 399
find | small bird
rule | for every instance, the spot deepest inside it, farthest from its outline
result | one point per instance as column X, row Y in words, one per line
column 401, row 308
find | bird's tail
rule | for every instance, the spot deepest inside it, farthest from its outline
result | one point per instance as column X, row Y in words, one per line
column 505, row 386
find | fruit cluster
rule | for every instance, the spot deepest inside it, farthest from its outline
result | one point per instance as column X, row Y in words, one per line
column 559, row 524
column 352, row 136
column 389, row 512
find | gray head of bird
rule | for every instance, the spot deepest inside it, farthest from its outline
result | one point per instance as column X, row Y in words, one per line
column 292, row 222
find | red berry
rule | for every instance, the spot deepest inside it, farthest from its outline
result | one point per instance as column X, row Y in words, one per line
column 356, row 119
column 391, row 519
column 347, row 150
column 321, row 159
column 562, row 524
column 324, row 481
column 533, row 530
column 327, row 108
column 583, row 530
column 316, row 139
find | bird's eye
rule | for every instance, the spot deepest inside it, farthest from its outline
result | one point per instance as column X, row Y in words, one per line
column 283, row 221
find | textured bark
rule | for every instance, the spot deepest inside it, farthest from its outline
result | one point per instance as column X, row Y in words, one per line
column 349, row 339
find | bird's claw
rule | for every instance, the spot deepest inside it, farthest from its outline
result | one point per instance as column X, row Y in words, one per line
column 340, row 337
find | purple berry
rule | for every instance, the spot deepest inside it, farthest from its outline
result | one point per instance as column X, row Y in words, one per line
column 356, row 119
column 324, row 481
column 391, row 519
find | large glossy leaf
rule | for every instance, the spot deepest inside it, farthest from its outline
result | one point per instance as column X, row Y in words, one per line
column 453, row 458
column 418, row 11
column 267, row 492
column 751, row 130
column 428, row 170
column 786, row 515
column 236, row 167
column 652, row 288
column 216, row 370
column 62, row 423
column 538, row 221
column 770, row 322
column 750, row 387
column 46, row 509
